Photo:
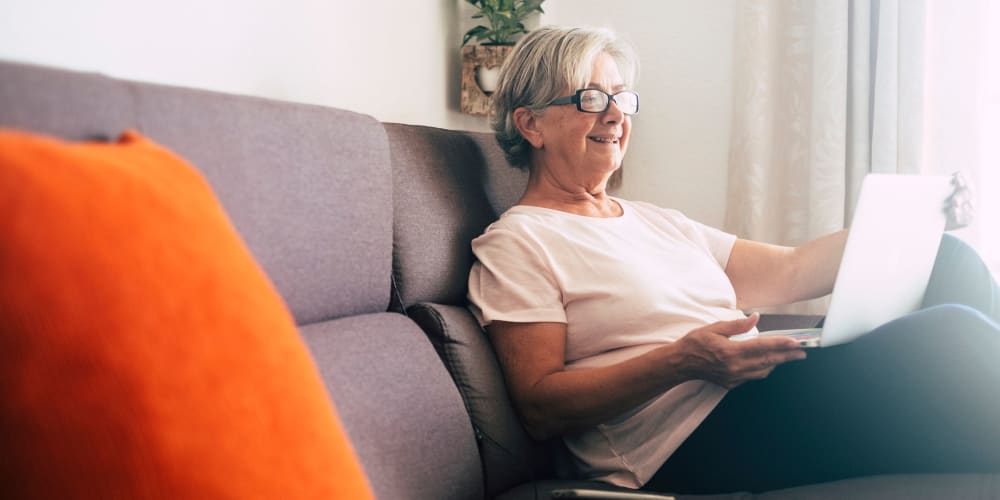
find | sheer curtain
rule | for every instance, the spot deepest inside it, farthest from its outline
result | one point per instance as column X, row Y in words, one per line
column 826, row 92
column 962, row 101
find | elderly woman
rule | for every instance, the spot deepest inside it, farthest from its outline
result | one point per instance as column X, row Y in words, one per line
column 611, row 318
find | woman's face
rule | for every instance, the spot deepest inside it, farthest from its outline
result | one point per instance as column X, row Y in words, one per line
column 586, row 143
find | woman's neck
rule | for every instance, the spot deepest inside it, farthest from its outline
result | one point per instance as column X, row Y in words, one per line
column 581, row 198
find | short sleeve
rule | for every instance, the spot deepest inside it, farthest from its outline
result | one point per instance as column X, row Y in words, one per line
column 513, row 281
column 717, row 243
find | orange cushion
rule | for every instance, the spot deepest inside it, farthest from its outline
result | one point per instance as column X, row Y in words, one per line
column 143, row 352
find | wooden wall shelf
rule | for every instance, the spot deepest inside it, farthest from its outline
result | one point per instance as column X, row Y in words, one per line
column 474, row 101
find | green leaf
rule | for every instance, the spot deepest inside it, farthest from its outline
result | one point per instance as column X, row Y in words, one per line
column 527, row 7
column 479, row 32
column 504, row 19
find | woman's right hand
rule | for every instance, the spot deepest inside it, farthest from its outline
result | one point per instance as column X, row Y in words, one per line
column 553, row 400
column 708, row 353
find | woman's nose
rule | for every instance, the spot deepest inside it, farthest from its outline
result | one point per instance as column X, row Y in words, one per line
column 613, row 114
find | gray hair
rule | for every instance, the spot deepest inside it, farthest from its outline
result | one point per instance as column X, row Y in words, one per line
column 547, row 63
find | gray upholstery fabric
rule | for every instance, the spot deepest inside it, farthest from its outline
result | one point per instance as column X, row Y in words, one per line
column 509, row 455
column 399, row 407
column 307, row 187
column 448, row 187
column 70, row 105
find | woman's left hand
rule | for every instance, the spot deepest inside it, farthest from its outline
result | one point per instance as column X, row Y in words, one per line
column 959, row 206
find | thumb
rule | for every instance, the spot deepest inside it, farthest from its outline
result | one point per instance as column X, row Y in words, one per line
column 736, row 326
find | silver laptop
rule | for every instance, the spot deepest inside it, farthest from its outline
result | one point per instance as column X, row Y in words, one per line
column 887, row 262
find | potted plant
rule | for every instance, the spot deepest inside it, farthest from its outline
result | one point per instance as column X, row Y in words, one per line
column 505, row 19
column 481, row 63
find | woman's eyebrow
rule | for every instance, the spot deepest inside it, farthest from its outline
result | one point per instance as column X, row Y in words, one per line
column 595, row 85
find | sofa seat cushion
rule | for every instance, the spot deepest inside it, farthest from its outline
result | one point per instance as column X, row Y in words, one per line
column 143, row 352
column 399, row 407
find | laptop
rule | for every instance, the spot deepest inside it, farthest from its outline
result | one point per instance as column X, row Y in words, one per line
column 887, row 262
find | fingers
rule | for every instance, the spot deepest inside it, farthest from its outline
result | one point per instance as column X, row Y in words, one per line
column 710, row 355
column 776, row 358
column 777, row 343
column 756, row 375
column 769, row 359
column 959, row 207
column 758, row 368
column 958, row 180
column 760, row 356
column 735, row 327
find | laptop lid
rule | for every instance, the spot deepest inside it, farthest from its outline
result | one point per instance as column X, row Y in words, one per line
column 890, row 252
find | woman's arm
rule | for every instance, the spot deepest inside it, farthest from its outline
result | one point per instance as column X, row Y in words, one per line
column 769, row 275
column 552, row 400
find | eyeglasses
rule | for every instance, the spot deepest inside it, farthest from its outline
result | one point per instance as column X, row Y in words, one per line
column 598, row 101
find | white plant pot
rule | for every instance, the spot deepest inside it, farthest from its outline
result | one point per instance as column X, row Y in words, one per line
column 487, row 78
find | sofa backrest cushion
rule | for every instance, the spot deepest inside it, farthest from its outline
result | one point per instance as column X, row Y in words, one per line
column 66, row 104
column 308, row 188
column 143, row 352
column 448, row 187
column 510, row 457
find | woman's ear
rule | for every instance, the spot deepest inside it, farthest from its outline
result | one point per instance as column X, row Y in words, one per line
column 526, row 122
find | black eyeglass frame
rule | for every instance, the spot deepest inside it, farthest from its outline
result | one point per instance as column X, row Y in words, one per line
column 576, row 99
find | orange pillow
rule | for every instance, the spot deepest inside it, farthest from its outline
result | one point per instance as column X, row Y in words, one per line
column 143, row 352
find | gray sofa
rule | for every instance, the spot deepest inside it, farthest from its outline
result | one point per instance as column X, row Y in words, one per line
column 364, row 228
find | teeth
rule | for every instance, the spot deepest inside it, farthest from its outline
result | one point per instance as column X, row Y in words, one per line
column 606, row 140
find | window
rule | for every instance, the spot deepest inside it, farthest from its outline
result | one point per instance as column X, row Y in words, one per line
column 962, row 106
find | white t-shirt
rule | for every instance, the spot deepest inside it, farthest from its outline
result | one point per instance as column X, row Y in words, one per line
column 623, row 286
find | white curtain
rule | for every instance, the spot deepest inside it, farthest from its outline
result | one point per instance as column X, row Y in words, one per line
column 962, row 103
column 824, row 92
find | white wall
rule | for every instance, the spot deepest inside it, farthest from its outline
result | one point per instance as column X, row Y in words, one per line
column 399, row 61
column 395, row 60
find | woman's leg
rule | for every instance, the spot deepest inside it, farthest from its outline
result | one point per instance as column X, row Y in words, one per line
column 916, row 395
column 961, row 277
column 919, row 394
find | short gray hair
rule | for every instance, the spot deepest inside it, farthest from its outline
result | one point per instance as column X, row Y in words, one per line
column 544, row 65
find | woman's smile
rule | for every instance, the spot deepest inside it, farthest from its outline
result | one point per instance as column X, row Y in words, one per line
column 604, row 139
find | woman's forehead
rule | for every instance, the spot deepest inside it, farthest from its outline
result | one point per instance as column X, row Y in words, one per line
column 601, row 73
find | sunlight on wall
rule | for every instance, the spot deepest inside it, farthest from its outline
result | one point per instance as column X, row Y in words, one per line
column 989, row 126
